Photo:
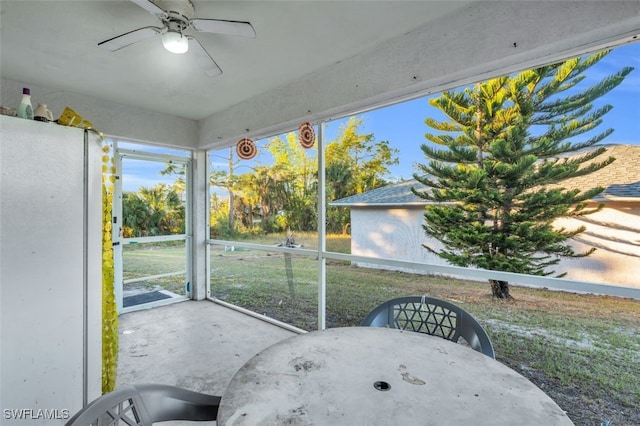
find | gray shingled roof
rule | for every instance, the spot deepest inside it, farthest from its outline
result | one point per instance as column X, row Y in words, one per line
column 621, row 180
column 398, row 194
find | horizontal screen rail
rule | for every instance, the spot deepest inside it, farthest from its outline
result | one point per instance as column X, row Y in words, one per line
column 460, row 272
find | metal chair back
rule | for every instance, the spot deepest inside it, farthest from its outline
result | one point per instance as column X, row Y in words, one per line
column 432, row 316
column 146, row 404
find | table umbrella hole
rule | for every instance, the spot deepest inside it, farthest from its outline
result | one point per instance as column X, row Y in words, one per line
column 382, row 386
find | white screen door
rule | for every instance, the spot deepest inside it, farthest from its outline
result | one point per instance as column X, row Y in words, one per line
column 151, row 228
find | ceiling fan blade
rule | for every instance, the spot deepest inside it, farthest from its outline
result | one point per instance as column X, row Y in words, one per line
column 218, row 26
column 204, row 60
column 127, row 39
column 149, row 7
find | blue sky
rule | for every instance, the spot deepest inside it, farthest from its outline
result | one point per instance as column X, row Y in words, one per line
column 402, row 125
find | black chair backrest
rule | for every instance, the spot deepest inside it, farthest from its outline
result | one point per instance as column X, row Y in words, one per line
column 431, row 316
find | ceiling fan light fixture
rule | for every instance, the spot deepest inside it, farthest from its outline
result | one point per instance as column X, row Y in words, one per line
column 175, row 42
column 178, row 16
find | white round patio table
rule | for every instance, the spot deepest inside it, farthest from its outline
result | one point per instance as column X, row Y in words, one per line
column 381, row 376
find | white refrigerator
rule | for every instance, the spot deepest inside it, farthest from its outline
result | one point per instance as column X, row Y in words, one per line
column 50, row 271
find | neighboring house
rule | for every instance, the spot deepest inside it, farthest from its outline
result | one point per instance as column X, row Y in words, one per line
column 387, row 223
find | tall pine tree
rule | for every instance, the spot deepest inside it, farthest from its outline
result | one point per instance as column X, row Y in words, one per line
column 498, row 162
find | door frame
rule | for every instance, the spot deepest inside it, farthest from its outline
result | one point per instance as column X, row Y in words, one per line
column 119, row 241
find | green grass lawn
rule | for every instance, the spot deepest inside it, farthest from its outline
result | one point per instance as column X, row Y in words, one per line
column 335, row 242
column 142, row 260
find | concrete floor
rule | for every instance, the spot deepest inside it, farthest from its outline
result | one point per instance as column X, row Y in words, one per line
column 197, row 345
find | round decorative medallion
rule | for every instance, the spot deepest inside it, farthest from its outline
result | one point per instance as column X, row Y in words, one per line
column 306, row 135
column 246, row 149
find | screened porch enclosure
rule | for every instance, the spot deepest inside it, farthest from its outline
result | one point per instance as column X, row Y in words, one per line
column 270, row 85
column 281, row 241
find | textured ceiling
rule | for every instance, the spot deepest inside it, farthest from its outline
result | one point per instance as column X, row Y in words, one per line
column 310, row 61
column 55, row 44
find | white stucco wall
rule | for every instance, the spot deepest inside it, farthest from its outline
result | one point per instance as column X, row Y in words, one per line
column 615, row 233
column 132, row 123
column 397, row 233
column 393, row 233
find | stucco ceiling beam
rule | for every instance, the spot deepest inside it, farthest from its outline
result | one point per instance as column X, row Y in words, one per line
column 481, row 41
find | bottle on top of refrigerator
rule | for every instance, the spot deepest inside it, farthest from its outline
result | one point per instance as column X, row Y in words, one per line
column 25, row 110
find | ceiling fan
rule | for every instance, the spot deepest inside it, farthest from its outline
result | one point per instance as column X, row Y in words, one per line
column 177, row 16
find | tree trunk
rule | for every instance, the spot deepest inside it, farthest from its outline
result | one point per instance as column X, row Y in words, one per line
column 500, row 289
column 232, row 220
column 231, row 211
